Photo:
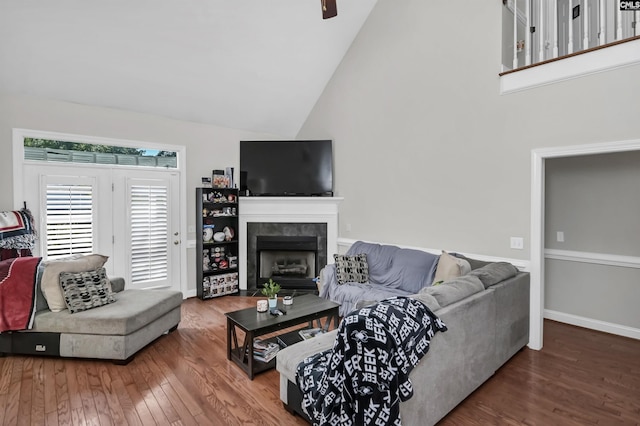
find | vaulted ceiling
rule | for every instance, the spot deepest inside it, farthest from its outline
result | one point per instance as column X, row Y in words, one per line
column 257, row 65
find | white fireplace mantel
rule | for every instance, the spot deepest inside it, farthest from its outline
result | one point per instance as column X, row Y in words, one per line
column 287, row 210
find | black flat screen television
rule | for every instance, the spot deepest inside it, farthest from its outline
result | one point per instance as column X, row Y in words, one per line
column 286, row 168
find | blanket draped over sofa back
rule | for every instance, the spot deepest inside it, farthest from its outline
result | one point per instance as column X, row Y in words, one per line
column 18, row 278
column 362, row 380
column 396, row 267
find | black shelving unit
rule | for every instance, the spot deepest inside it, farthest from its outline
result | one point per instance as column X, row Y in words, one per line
column 217, row 242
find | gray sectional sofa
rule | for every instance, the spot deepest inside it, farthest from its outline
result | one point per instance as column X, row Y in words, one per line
column 486, row 312
column 115, row 331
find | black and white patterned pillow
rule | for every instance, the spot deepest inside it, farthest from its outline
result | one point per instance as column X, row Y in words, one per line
column 351, row 269
column 86, row 290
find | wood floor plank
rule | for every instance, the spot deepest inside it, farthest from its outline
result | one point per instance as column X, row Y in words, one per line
column 86, row 395
column 13, row 399
column 37, row 397
column 26, row 392
column 581, row 377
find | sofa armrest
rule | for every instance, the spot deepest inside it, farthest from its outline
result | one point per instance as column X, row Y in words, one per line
column 117, row 284
column 327, row 280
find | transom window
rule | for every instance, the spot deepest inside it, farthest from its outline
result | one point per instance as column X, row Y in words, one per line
column 77, row 152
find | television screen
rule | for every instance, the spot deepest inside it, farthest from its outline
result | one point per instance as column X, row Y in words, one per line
column 291, row 168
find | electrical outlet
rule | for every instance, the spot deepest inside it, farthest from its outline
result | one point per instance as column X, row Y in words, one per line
column 348, row 227
column 517, row 243
column 560, row 236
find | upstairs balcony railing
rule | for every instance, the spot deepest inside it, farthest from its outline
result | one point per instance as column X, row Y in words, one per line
column 536, row 31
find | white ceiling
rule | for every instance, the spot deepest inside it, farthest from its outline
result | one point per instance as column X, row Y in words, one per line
column 257, row 65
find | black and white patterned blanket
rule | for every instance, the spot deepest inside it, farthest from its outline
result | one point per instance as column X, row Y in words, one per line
column 363, row 378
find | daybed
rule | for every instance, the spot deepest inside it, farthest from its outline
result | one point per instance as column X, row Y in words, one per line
column 486, row 312
column 126, row 322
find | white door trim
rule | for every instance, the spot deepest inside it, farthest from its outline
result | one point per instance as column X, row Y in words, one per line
column 538, row 157
column 18, row 162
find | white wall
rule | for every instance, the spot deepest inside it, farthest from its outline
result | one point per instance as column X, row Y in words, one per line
column 428, row 153
column 208, row 147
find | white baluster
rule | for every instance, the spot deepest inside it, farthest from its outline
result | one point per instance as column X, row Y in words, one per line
column 602, row 15
column 527, row 35
column 585, row 27
column 636, row 24
column 540, row 29
column 570, row 15
column 619, row 22
column 555, row 28
column 515, row 34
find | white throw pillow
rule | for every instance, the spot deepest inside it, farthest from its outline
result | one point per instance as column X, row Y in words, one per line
column 450, row 267
column 50, row 282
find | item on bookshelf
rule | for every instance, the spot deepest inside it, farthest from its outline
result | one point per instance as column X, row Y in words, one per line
column 229, row 233
column 219, row 237
column 207, row 234
column 310, row 333
column 206, row 261
column 206, row 182
column 219, row 179
column 262, row 305
column 228, row 173
column 231, row 198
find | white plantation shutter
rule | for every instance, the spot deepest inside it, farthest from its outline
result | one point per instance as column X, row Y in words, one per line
column 149, row 232
column 69, row 217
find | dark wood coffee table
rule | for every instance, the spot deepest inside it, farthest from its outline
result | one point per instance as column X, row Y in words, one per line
column 305, row 308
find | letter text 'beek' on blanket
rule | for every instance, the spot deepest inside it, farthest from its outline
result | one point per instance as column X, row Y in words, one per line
column 363, row 378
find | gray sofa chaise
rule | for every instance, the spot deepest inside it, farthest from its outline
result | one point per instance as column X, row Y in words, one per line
column 486, row 312
column 115, row 331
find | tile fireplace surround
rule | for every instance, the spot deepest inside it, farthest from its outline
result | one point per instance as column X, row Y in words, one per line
column 287, row 210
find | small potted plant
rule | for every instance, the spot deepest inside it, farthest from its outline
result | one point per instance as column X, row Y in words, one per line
column 271, row 289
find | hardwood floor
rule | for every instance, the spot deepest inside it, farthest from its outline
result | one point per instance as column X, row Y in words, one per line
column 581, row 377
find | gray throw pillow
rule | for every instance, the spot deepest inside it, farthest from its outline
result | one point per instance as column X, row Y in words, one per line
column 351, row 269
column 495, row 272
column 86, row 290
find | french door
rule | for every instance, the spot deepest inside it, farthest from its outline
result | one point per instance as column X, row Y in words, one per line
column 149, row 246
column 130, row 215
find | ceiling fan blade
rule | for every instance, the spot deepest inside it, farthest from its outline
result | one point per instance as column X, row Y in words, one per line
column 329, row 9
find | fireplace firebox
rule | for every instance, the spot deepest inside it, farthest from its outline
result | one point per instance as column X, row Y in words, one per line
column 291, row 261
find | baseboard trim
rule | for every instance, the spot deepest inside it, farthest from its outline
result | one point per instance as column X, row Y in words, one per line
column 523, row 265
column 594, row 258
column 593, row 324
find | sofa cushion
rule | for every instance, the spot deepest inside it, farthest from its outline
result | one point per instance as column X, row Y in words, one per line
column 495, row 272
column 132, row 310
column 454, row 290
column 50, row 284
column 86, row 290
column 427, row 299
column 450, row 267
column 397, row 268
column 474, row 263
column 351, row 269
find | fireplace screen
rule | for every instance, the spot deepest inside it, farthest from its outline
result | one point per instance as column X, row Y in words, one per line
column 283, row 264
column 290, row 261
